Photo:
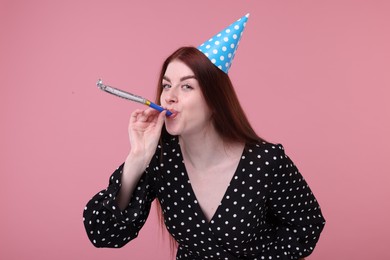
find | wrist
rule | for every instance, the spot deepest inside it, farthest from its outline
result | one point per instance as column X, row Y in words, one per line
column 138, row 161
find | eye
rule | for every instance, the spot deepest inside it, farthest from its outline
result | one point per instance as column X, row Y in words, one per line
column 165, row 86
column 187, row 87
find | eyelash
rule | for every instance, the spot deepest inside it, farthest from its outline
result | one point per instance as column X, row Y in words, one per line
column 185, row 86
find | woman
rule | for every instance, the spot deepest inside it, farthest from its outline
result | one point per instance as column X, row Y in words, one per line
column 224, row 192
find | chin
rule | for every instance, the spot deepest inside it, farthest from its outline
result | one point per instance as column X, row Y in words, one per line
column 173, row 127
column 172, row 131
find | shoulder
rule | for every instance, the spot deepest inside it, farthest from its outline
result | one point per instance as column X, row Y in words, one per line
column 265, row 154
column 265, row 148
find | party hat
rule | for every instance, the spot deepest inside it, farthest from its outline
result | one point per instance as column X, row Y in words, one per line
column 222, row 47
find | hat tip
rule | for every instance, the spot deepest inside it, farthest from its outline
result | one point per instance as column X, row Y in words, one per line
column 221, row 48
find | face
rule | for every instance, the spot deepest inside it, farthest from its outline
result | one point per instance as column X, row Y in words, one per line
column 183, row 96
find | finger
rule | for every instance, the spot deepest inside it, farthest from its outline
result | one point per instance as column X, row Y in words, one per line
column 144, row 115
column 161, row 118
column 135, row 114
column 151, row 113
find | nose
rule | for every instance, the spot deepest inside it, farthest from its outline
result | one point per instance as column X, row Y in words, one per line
column 170, row 97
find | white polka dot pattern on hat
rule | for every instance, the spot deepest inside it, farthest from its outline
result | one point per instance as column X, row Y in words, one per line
column 267, row 212
column 222, row 47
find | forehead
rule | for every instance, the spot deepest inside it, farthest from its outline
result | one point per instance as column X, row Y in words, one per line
column 178, row 69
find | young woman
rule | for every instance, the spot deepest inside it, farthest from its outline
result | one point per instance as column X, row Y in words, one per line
column 224, row 192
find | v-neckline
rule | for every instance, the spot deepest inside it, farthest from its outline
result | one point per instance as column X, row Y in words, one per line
column 226, row 193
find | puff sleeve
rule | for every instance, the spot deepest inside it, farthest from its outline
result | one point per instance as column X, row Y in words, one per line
column 106, row 225
column 297, row 214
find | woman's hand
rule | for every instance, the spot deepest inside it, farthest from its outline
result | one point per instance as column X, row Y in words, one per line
column 144, row 133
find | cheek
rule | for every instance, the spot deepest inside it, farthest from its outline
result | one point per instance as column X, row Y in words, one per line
column 205, row 109
column 201, row 112
column 162, row 99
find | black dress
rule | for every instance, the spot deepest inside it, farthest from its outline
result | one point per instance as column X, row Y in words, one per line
column 268, row 210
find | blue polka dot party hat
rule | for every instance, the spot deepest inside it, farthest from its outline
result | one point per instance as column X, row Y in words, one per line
column 222, row 47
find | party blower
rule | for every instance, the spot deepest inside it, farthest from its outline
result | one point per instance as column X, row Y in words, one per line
column 129, row 96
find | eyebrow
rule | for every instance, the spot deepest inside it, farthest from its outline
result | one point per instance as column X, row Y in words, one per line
column 181, row 79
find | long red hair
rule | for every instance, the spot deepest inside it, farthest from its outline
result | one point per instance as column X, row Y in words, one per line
column 228, row 116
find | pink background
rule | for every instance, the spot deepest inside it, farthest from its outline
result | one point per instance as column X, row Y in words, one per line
column 312, row 75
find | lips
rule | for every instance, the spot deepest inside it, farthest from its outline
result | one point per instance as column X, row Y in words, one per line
column 174, row 113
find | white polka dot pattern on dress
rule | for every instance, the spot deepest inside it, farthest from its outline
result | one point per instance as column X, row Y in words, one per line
column 268, row 211
column 222, row 47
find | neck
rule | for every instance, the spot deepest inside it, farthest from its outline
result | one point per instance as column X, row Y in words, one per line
column 206, row 148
